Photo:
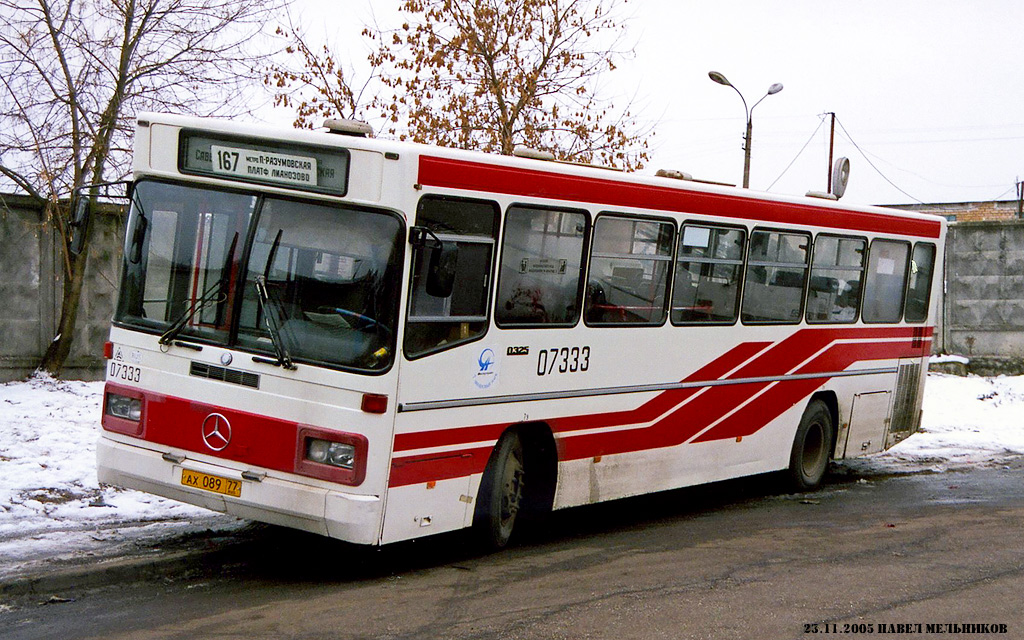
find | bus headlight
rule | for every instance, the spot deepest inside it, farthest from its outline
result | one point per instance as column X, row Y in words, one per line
column 124, row 407
column 336, row 454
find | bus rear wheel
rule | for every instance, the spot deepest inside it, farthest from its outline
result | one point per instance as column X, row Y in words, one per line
column 501, row 493
column 812, row 447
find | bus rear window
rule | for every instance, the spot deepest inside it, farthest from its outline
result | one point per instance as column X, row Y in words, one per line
column 884, row 286
column 922, row 265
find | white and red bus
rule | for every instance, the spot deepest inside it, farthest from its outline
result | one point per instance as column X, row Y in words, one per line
column 376, row 340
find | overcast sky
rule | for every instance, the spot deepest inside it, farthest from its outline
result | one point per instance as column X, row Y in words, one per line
column 929, row 92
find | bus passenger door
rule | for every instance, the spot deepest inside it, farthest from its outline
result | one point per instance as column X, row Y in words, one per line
column 869, row 420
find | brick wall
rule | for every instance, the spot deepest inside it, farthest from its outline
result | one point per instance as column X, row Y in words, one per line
column 966, row 211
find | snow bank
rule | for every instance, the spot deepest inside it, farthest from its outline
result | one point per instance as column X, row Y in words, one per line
column 51, row 502
column 967, row 421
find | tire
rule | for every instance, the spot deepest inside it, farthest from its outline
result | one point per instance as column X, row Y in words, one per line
column 812, row 447
column 501, row 493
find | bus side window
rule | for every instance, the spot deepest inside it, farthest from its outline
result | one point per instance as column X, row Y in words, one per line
column 706, row 289
column 541, row 267
column 776, row 273
column 886, row 281
column 837, row 271
column 436, row 323
column 629, row 271
column 922, row 266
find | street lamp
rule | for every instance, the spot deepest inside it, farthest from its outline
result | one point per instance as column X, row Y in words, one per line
column 772, row 90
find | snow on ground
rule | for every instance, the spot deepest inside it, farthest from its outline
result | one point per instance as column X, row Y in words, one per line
column 51, row 505
column 50, row 500
column 967, row 421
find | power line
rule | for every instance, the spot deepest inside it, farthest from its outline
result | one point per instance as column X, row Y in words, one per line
column 929, row 180
column 820, row 121
column 1015, row 186
column 872, row 164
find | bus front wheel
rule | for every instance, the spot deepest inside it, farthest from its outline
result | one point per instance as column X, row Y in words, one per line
column 812, row 447
column 501, row 493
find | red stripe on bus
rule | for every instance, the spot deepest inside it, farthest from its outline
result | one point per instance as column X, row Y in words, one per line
column 255, row 439
column 428, row 467
column 754, row 415
column 647, row 411
column 691, row 418
column 665, row 401
column 777, row 361
column 516, row 181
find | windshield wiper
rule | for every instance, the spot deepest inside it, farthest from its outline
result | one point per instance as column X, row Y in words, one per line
column 216, row 292
column 266, row 302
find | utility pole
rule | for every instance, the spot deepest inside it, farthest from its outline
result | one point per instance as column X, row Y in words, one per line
column 831, row 146
column 1020, row 198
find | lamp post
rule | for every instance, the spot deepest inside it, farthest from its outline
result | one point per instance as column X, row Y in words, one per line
column 772, row 90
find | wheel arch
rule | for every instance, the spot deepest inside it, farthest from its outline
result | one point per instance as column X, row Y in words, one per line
column 540, row 461
column 831, row 400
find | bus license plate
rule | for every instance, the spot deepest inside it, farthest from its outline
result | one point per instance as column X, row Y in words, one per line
column 215, row 484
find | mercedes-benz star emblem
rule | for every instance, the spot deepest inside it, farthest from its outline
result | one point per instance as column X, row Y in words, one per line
column 216, row 431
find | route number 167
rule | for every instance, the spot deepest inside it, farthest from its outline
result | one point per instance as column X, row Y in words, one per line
column 227, row 160
column 562, row 360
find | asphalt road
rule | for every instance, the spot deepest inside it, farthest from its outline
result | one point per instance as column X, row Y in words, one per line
column 731, row 560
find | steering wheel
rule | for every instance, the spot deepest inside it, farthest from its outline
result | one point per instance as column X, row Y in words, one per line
column 365, row 322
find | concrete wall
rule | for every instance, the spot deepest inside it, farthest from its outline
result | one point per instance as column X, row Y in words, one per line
column 984, row 309
column 983, row 315
column 31, row 277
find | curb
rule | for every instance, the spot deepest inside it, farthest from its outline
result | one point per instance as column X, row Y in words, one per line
column 107, row 572
column 198, row 547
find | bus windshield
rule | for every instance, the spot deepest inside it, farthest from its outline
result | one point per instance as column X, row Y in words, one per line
column 266, row 274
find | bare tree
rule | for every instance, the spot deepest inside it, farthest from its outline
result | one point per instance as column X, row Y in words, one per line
column 318, row 87
column 73, row 74
column 491, row 74
column 487, row 75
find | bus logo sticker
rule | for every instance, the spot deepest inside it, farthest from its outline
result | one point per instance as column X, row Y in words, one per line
column 134, row 355
column 216, row 432
column 487, row 369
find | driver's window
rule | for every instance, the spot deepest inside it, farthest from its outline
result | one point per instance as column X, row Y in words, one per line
column 435, row 323
column 331, row 276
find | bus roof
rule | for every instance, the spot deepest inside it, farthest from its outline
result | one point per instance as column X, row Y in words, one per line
column 476, row 171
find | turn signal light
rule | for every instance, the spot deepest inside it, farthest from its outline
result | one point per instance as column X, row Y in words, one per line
column 375, row 403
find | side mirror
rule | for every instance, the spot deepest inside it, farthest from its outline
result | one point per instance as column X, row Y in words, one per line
column 82, row 199
column 441, row 266
column 442, row 260
column 78, row 222
column 138, row 238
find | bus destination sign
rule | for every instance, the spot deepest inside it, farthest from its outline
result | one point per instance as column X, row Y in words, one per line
column 266, row 162
column 264, row 165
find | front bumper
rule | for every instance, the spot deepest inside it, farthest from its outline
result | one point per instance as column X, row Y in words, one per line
column 275, row 500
